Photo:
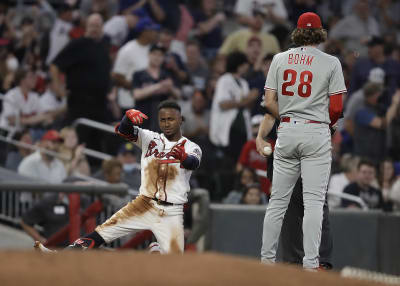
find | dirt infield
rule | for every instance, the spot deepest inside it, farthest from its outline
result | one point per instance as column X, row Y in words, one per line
column 134, row 268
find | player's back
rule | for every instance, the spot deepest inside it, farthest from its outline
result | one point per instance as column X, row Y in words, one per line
column 304, row 77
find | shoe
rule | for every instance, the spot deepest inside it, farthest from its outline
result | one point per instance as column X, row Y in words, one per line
column 321, row 268
column 325, row 266
column 41, row 248
column 154, row 248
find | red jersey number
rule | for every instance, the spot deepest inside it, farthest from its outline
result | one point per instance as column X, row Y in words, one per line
column 304, row 88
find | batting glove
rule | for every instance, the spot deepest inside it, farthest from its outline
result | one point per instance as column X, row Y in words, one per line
column 178, row 152
column 135, row 116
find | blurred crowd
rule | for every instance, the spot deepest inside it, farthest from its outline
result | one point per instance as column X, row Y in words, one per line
column 62, row 60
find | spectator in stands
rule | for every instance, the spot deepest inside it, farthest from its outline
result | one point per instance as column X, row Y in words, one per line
column 370, row 127
column 256, row 79
column 169, row 15
column 133, row 57
column 388, row 16
column 208, row 27
column 112, row 170
column 21, row 106
column 58, row 37
column 395, row 195
column 113, row 174
column 54, row 103
column 87, row 65
column 297, row 7
column 128, row 156
column 42, row 165
column 386, row 179
column 356, row 29
column 74, row 159
column 238, row 40
column 273, row 11
column 246, row 177
column 376, row 58
column 197, row 119
column 105, row 8
column 230, row 123
column 338, row 182
column 252, row 195
column 249, row 157
column 51, row 213
column 395, row 136
column 9, row 66
column 363, row 189
column 153, row 85
column 26, row 45
column 173, row 63
column 196, row 65
column 18, row 153
column 118, row 28
column 357, row 100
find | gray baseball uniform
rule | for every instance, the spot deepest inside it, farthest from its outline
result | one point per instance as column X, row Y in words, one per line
column 303, row 78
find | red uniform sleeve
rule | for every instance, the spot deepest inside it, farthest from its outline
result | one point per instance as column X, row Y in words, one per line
column 335, row 107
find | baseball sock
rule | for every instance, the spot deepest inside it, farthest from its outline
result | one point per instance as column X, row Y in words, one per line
column 92, row 240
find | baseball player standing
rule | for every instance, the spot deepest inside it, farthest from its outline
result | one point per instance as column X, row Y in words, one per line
column 167, row 162
column 304, row 89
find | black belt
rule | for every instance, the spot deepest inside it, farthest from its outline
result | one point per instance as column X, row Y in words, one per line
column 163, row 203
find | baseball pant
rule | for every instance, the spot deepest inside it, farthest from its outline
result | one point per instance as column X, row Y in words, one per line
column 291, row 239
column 166, row 223
column 301, row 149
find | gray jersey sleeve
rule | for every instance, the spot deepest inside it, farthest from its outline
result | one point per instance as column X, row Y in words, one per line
column 272, row 80
column 336, row 82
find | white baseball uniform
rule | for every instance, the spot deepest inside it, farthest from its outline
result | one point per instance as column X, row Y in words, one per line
column 303, row 78
column 168, row 182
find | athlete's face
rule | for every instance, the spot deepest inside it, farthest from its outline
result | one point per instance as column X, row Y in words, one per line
column 170, row 121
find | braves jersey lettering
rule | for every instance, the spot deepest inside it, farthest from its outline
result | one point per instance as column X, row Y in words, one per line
column 300, row 59
column 162, row 178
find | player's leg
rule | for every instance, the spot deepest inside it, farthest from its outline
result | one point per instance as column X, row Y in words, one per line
column 326, row 247
column 169, row 233
column 136, row 215
column 286, row 172
column 315, row 171
column 291, row 238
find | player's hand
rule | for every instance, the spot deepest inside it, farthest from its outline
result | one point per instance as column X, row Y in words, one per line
column 260, row 144
column 333, row 128
column 135, row 116
column 178, row 152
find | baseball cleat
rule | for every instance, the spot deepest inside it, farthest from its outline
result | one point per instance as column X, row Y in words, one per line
column 41, row 248
column 154, row 248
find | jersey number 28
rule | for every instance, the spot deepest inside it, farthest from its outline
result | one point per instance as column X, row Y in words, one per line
column 304, row 88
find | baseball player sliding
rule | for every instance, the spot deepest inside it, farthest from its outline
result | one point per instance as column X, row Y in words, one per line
column 303, row 90
column 167, row 162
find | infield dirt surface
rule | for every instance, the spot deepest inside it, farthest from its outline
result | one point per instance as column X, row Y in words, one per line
column 97, row 268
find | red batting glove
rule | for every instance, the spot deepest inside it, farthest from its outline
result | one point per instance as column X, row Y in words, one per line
column 135, row 116
column 178, row 152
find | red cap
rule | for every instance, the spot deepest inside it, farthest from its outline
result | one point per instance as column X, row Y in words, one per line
column 309, row 20
column 52, row 135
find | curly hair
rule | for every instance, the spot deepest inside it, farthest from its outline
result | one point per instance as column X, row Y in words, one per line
column 305, row 37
